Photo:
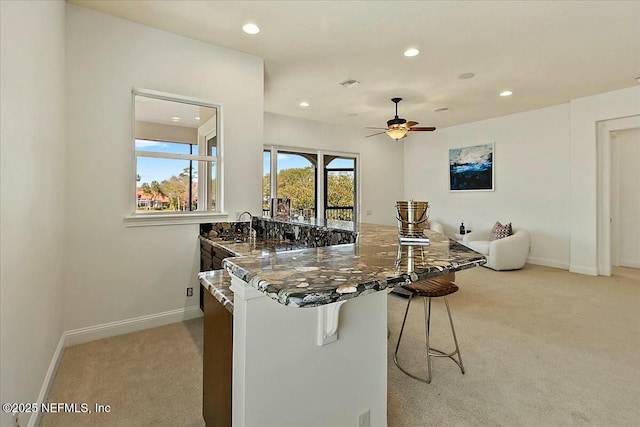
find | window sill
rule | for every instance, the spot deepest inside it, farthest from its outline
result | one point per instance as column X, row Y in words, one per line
column 146, row 220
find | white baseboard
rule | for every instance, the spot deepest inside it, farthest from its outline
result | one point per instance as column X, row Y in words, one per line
column 548, row 262
column 106, row 330
column 590, row 271
column 628, row 263
column 34, row 420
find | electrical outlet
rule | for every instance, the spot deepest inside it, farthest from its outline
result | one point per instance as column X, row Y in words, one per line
column 189, row 292
column 364, row 420
column 369, row 212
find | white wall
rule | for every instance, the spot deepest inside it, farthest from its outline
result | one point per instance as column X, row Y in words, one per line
column 32, row 202
column 531, row 161
column 115, row 272
column 626, row 197
column 585, row 113
column 381, row 159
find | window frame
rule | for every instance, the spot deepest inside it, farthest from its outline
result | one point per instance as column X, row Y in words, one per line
column 135, row 218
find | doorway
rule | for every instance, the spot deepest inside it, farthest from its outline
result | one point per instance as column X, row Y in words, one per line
column 617, row 196
column 625, row 200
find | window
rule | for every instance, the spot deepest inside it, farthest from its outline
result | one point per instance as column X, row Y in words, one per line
column 177, row 150
column 165, row 184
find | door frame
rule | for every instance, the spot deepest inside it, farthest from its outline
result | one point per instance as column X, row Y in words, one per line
column 325, row 190
column 604, row 190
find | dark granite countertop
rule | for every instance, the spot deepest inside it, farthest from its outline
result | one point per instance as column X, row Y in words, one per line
column 308, row 277
column 217, row 282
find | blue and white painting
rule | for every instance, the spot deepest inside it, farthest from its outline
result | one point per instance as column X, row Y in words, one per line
column 471, row 168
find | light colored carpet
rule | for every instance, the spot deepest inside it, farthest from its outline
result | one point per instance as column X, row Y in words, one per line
column 541, row 346
column 149, row 378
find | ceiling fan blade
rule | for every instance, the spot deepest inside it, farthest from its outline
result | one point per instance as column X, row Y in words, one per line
column 374, row 134
column 422, row 129
column 410, row 123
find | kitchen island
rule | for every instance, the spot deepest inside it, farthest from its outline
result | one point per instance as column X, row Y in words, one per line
column 309, row 324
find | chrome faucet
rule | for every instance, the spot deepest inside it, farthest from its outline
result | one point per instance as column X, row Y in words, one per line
column 251, row 230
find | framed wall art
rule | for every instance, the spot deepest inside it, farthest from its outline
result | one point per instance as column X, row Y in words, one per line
column 471, row 168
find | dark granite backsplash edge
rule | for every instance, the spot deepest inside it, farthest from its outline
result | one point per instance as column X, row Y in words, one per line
column 309, row 235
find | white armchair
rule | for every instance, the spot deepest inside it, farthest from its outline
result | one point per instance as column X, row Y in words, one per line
column 508, row 253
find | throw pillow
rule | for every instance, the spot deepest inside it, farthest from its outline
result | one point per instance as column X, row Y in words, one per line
column 500, row 231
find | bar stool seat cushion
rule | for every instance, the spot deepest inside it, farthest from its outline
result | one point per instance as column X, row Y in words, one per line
column 432, row 288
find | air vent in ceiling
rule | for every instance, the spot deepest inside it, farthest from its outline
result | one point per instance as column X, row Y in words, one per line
column 349, row 83
column 441, row 110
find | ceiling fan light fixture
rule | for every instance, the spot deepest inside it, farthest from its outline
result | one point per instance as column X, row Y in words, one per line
column 397, row 133
column 398, row 128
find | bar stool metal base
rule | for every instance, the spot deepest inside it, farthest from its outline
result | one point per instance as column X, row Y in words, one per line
column 431, row 352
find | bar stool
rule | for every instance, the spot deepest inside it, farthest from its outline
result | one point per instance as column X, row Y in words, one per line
column 430, row 288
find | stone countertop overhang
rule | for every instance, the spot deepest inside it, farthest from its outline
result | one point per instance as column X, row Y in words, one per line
column 217, row 282
column 310, row 277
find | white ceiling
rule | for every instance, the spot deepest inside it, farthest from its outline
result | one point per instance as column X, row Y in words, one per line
column 546, row 52
column 163, row 111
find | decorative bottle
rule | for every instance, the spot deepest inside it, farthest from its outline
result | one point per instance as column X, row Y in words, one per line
column 462, row 228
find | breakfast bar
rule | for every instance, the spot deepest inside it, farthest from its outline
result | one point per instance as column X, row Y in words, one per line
column 310, row 316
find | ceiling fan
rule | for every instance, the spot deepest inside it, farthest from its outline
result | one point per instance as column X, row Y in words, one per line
column 397, row 128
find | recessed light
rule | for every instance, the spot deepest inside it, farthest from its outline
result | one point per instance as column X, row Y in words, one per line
column 465, row 76
column 637, row 79
column 250, row 28
column 175, row 119
column 197, row 118
column 304, row 104
column 506, row 93
column 411, row 52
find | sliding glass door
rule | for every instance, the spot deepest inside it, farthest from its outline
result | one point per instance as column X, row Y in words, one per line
column 296, row 181
column 315, row 184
